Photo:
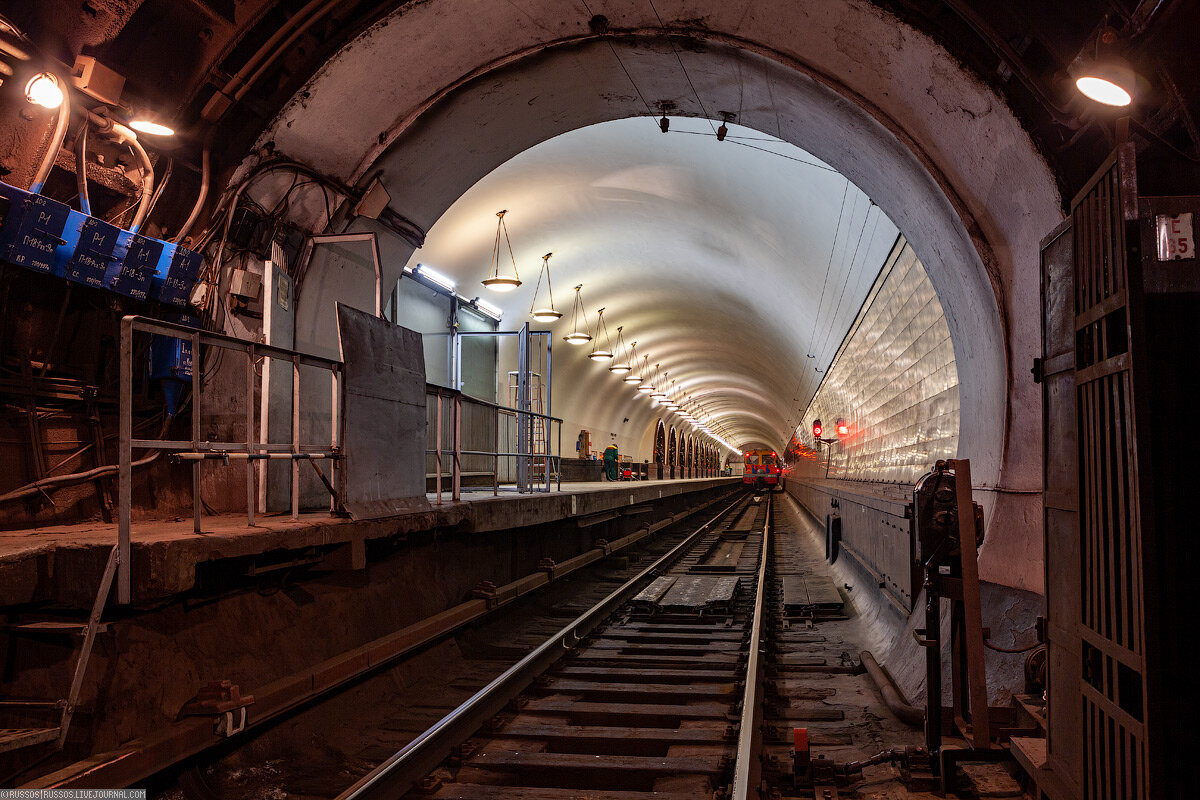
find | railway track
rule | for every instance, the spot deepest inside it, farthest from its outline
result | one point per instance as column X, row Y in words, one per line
column 654, row 692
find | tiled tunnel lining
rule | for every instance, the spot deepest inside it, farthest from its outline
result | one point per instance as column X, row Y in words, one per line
column 894, row 381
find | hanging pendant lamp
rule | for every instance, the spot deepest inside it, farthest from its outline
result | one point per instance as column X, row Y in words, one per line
column 670, row 402
column 601, row 353
column 647, row 387
column 632, row 377
column 658, row 394
column 622, row 366
column 546, row 314
column 577, row 336
column 495, row 281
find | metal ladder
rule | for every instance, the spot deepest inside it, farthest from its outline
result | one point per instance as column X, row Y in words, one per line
column 19, row 738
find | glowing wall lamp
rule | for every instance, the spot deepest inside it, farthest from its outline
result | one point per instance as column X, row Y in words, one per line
column 1106, row 76
column 147, row 123
column 45, row 90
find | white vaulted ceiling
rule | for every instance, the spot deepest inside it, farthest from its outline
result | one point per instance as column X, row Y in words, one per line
column 730, row 263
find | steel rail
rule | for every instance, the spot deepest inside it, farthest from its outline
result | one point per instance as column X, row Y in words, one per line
column 747, row 768
column 394, row 777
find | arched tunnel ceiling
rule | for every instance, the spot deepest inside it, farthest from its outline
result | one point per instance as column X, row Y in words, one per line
column 729, row 263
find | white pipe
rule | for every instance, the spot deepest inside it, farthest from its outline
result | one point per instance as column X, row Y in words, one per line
column 60, row 131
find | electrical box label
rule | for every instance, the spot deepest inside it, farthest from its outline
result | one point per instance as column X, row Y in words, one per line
column 138, row 257
column 176, row 274
column 1174, row 233
column 88, row 251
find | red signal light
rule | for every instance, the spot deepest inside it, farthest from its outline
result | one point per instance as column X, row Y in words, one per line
column 817, row 429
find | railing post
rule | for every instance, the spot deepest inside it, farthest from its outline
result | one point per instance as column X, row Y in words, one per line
column 558, row 468
column 496, row 458
column 457, row 466
column 295, row 436
column 437, row 450
column 197, row 503
column 125, row 462
column 251, row 497
column 335, row 436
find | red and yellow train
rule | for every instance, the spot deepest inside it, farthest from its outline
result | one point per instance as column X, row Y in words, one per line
column 763, row 469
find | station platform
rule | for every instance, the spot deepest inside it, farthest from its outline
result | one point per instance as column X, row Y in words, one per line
column 64, row 564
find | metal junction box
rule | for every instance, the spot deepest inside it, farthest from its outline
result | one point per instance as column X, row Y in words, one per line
column 137, row 259
column 175, row 274
column 32, row 228
column 88, row 250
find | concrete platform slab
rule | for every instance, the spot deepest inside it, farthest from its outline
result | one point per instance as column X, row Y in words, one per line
column 63, row 564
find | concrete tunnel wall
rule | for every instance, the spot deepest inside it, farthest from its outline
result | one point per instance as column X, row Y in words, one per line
column 885, row 105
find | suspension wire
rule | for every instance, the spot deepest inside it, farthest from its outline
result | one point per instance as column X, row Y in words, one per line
column 650, row 110
column 829, row 264
column 850, row 268
column 686, row 77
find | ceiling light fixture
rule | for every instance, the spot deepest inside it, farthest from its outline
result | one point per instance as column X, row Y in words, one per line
column 495, row 281
column 601, row 353
column 647, row 387
column 45, row 90
column 632, row 377
column 487, row 308
column 1106, row 76
column 435, row 276
column 621, row 367
column 577, row 336
column 150, row 123
column 544, row 314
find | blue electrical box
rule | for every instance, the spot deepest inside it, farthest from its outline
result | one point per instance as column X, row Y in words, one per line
column 171, row 361
column 32, row 229
column 133, row 268
column 89, row 251
column 176, row 274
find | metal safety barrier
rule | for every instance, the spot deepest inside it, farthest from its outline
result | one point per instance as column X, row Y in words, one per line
column 196, row 450
column 505, row 425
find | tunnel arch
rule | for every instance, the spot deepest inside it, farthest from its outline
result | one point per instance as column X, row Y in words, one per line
column 672, row 451
column 877, row 100
column 660, row 447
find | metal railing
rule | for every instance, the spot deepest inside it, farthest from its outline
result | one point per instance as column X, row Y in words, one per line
column 196, row 450
column 506, row 425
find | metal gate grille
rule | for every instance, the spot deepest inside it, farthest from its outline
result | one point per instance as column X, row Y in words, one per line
column 1111, row 595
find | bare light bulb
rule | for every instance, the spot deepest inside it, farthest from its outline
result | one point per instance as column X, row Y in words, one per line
column 44, row 90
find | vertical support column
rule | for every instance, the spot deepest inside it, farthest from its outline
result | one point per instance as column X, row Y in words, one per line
column 972, row 608
column 523, row 421
column 496, row 458
column 335, row 436
column 295, row 436
column 250, row 449
column 197, row 509
column 125, row 462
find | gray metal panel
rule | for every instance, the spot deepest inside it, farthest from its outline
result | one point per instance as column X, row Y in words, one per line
column 384, row 468
column 655, row 591
column 279, row 329
column 698, row 592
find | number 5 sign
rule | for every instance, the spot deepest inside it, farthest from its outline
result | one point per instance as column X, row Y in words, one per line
column 1175, row 237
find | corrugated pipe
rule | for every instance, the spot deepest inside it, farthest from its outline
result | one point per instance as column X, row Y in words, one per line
column 58, row 481
column 909, row 715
